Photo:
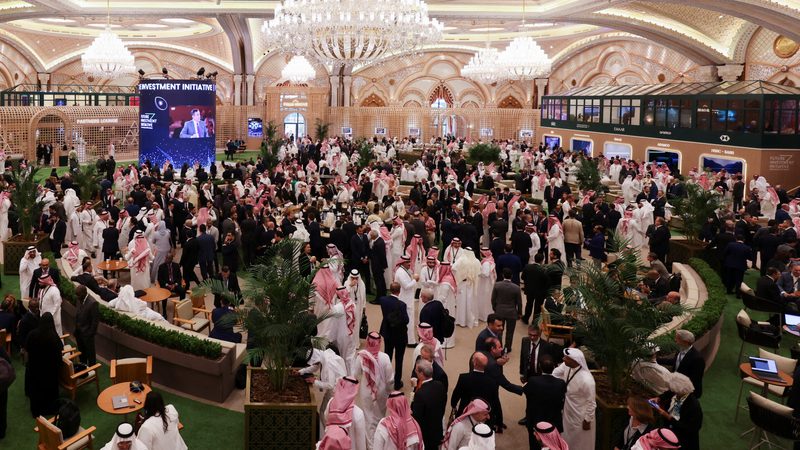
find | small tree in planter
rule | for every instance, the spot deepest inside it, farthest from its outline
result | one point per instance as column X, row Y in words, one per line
column 589, row 176
column 270, row 146
column 694, row 210
column 615, row 327
column 24, row 197
column 87, row 179
column 279, row 411
column 321, row 129
column 485, row 153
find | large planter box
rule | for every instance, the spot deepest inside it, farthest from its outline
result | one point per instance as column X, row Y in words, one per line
column 278, row 426
column 610, row 419
column 14, row 250
column 682, row 251
column 708, row 343
column 194, row 375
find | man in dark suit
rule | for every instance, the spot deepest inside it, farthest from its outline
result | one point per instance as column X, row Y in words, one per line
column 432, row 313
column 521, row 244
column 497, row 358
column 688, row 360
column 545, row 395
column 738, row 194
column 359, row 254
column 475, row 384
column 659, row 240
column 735, row 258
column 86, row 278
column 533, row 351
column 494, row 328
column 768, row 289
column 206, row 251
column 507, row 304
column 110, row 247
column 189, row 258
column 58, row 234
column 789, row 281
column 230, row 283
column 44, row 269
column 510, row 261
column 87, row 318
column 537, row 284
column 394, row 328
column 378, row 263
column 169, row 277
column 430, row 401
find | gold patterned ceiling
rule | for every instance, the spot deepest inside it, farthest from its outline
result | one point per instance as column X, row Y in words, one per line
column 707, row 31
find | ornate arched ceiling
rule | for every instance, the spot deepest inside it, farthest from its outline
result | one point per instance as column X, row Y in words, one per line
column 47, row 35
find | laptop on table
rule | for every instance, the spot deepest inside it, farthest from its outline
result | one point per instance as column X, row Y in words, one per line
column 792, row 321
column 765, row 369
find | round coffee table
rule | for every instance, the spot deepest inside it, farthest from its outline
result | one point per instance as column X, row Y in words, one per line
column 104, row 400
column 786, row 379
column 157, row 295
column 113, row 265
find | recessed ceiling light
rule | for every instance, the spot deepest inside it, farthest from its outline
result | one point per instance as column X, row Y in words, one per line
column 538, row 25
column 487, row 29
column 449, row 28
column 102, row 25
column 177, row 20
column 720, row 16
column 56, row 20
column 150, row 25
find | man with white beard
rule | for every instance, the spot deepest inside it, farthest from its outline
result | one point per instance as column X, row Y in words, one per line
column 373, row 370
column 408, row 287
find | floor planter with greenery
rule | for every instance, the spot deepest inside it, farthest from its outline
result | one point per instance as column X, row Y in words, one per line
column 615, row 329
column 694, row 211
column 279, row 411
column 24, row 197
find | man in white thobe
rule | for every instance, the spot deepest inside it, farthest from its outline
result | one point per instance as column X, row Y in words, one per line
column 408, row 287
column 325, row 368
column 358, row 293
column 580, row 405
column 50, row 300
column 97, row 237
column 375, row 375
column 85, row 233
column 27, row 265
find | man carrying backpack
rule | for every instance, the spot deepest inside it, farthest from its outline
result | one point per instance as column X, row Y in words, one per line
column 434, row 313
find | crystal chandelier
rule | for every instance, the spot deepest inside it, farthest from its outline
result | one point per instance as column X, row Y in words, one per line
column 298, row 70
column 107, row 57
column 483, row 66
column 523, row 59
column 350, row 32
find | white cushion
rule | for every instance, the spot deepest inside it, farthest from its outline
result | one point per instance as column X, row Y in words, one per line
column 743, row 318
column 770, row 405
column 784, row 364
column 80, row 443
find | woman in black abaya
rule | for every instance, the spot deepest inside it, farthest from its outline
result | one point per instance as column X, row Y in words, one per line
column 41, row 375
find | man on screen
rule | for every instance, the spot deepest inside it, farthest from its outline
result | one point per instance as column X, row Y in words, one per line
column 195, row 128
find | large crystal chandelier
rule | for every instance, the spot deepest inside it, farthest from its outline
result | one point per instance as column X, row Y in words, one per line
column 483, row 66
column 298, row 70
column 523, row 59
column 350, row 32
column 107, row 57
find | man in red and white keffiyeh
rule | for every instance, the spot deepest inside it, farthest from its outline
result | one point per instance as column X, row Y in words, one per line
column 343, row 413
column 346, row 332
column 375, row 375
column 460, row 430
column 399, row 427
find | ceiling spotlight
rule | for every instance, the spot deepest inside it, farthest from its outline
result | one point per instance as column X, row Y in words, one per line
column 201, row 71
column 165, row 72
column 141, row 72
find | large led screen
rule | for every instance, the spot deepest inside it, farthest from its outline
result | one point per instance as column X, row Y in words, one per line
column 177, row 122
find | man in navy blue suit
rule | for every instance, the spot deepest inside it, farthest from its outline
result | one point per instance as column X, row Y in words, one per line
column 735, row 257
column 394, row 328
column 195, row 128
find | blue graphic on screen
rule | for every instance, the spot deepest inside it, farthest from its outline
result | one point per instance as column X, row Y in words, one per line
column 552, row 142
column 716, row 164
column 583, row 146
column 177, row 122
column 671, row 159
column 255, row 127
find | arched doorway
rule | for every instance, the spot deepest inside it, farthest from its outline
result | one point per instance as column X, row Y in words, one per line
column 294, row 125
column 51, row 127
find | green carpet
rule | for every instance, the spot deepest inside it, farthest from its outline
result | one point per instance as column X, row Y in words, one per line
column 721, row 383
column 202, row 423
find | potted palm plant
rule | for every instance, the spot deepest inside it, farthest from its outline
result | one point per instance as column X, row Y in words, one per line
column 588, row 176
column 694, row 211
column 321, row 129
column 25, row 199
column 270, row 146
column 279, row 410
column 615, row 326
column 87, row 179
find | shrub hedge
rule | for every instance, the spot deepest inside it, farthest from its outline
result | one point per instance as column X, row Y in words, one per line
column 708, row 315
column 485, row 153
column 144, row 330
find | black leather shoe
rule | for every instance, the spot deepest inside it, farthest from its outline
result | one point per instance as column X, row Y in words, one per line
column 523, row 421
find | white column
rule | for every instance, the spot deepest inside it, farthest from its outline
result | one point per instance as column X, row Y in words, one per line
column 44, row 78
column 347, row 81
column 541, row 84
column 334, row 90
column 237, row 90
column 251, row 89
column 730, row 72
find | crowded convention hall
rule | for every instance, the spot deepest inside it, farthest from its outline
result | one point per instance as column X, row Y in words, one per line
column 413, row 225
